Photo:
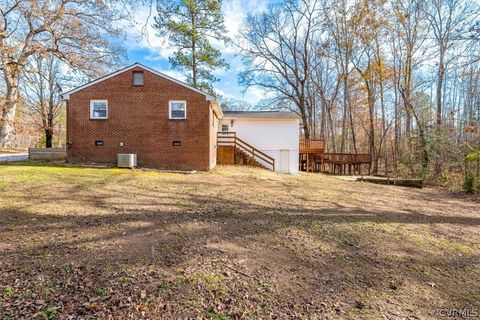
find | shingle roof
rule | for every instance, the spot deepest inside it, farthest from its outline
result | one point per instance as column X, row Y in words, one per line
column 259, row 115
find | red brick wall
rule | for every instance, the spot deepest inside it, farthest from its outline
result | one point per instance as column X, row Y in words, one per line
column 138, row 117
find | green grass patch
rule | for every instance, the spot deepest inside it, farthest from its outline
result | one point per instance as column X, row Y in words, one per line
column 215, row 315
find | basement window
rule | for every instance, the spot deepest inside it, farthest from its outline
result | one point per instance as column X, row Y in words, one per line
column 138, row 78
column 98, row 109
column 177, row 109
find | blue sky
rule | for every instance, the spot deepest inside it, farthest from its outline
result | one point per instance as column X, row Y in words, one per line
column 154, row 52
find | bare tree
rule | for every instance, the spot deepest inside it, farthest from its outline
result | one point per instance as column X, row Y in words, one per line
column 450, row 21
column 327, row 83
column 409, row 33
column 343, row 19
column 41, row 88
column 277, row 50
column 78, row 32
column 368, row 64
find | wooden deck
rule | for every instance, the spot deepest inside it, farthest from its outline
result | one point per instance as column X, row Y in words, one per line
column 314, row 158
column 312, row 146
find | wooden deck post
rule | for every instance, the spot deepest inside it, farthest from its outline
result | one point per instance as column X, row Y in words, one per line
column 234, row 150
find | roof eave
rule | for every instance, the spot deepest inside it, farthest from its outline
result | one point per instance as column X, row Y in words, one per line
column 226, row 117
column 66, row 96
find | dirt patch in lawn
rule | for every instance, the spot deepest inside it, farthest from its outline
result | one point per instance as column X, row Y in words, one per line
column 234, row 243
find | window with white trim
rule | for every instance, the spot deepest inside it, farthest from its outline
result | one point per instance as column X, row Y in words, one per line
column 98, row 109
column 177, row 109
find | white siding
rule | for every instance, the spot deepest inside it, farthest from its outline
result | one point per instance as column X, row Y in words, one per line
column 272, row 136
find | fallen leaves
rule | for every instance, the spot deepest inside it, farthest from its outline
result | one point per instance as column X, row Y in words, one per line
column 235, row 243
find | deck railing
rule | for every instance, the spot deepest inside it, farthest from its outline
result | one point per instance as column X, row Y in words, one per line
column 312, row 145
column 231, row 139
column 347, row 158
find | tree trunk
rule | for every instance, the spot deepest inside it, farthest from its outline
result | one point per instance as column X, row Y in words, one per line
column 398, row 122
column 194, row 66
column 9, row 110
column 323, row 125
column 384, row 127
column 345, row 110
column 408, row 115
column 6, row 125
column 407, row 85
column 322, row 121
column 194, row 52
column 440, row 77
column 306, row 128
column 371, row 111
column 423, row 145
column 48, row 137
column 352, row 128
column 332, row 132
column 423, row 142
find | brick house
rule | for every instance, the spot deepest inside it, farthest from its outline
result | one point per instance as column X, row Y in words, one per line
column 167, row 123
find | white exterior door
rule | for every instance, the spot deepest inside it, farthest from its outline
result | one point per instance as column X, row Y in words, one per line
column 284, row 161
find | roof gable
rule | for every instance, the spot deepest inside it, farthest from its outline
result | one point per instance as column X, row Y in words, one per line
column 67, row 94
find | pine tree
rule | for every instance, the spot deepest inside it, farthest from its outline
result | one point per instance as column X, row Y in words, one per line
column 190, row 26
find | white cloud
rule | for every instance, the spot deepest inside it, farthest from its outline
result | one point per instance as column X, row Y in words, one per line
column 143, row 35
column 174, row 74
column 254, row 94
column 234, row 12
column 224, row 93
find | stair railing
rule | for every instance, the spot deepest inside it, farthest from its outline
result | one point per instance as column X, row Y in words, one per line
column 231, row 139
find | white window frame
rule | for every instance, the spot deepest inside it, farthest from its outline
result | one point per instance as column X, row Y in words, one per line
column 92, row 102
column 170, row 109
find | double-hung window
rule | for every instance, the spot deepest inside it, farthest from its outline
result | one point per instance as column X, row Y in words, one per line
column 98, row 109
column 177, row 109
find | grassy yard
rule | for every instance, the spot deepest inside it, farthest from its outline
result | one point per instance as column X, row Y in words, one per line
column 233, row 243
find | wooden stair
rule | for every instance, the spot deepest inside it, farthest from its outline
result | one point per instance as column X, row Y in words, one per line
column 242, row 158
column 233, row 150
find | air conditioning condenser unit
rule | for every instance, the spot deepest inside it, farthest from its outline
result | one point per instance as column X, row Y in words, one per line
column 126, row 160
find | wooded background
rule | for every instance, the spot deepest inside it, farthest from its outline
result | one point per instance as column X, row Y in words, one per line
column 398, row 79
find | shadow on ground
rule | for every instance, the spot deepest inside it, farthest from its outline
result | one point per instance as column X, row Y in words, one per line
column 230, row 243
